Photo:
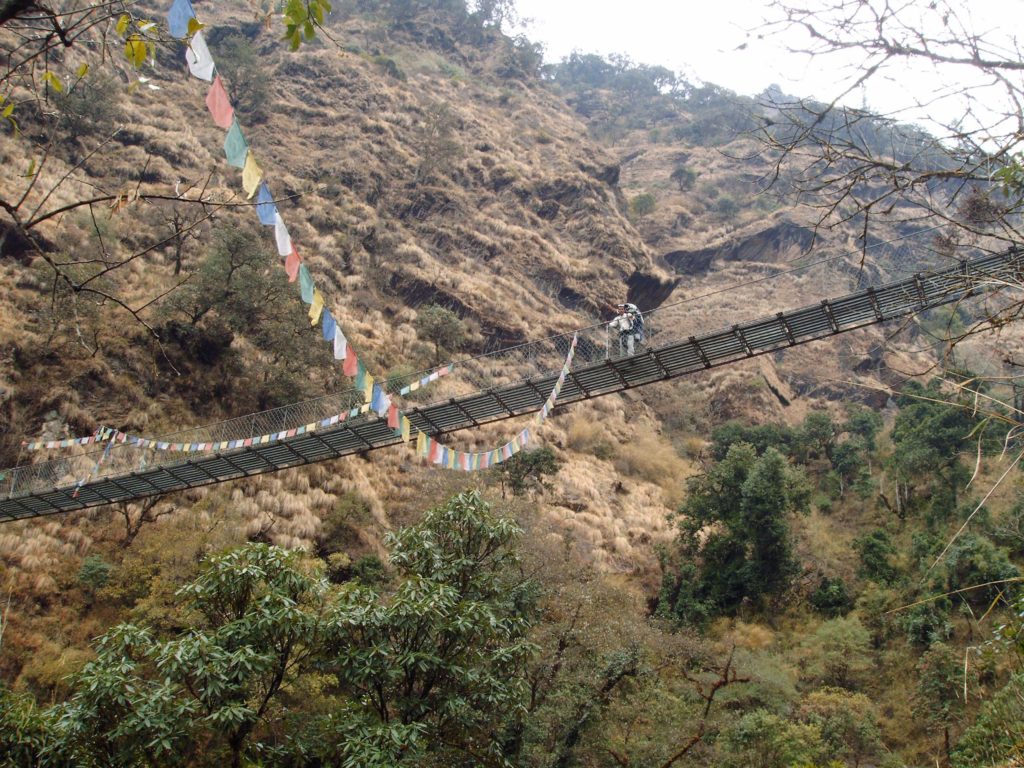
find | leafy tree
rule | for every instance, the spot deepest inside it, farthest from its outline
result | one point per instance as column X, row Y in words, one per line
column 972, row 561
column 831, row 599
column 849, row 461
column 26, row 735
column 875, row 549
column 863, row 423
column 735, row 520
column 928, row 436
column 684, row 177
column 94, row 572
column 256, row 619
column 997, row 735
column 939, row 699
column 430, row 673
column 761, row 739
column 761, row 436
column 643, row 205
column 525, row 469
column 816, row 437
column 442, row 327
column 838, row 652
column 437, row 665
column 847, row 722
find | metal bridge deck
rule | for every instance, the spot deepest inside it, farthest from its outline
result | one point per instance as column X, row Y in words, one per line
column 785, row 329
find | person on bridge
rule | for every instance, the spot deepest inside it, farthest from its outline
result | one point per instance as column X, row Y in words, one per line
column 630, row 333
column 638, row 320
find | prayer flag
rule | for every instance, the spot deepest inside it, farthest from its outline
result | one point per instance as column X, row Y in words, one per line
column 368, row 387
column 435, row 451
column 393, row 421
column 329, row 326
column 360, row 383
column 442, row 456
column 351, row 366
column 236, row 148
column 379, row 400
column 177, row 18
column 421, row 442
column 291, row 265
column 200, row 62
column 219, row 104
column 452, row 457
column 316, row 307
column 406, row 428
column 340, row 344
column 306, row 286
column 284, row 240
column 252, row 175
column 265, row 207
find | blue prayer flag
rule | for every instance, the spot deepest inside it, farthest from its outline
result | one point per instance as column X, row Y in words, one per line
column 329, row 325
column 265, row 207
column 380, row 401
column 178, row 17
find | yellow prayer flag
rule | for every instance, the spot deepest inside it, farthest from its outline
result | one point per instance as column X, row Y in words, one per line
column 451, row 458
column 316, row 307
column 364, row 408
column 406, row 429
column 421, row 442
column 414, row 386
column 252, row 175
column 368, row 387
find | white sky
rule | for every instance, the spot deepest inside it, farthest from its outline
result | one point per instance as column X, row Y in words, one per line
column 700, row 40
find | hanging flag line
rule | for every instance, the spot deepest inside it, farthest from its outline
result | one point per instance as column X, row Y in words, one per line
column 436, row 452
column 237, row 153
column 182, row 21
column 428, row 447
column 103, row 433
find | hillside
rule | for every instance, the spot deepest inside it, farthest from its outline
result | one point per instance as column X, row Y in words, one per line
column 423, row 159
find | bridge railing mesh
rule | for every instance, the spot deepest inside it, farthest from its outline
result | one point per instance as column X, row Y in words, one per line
column 691, row 316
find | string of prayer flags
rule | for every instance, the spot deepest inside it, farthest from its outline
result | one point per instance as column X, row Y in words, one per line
column 239, row 155
column 452, row 458
column 200, row 62
column 219, row 104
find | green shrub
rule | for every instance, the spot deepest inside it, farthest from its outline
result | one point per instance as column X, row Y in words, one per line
column 643, row 205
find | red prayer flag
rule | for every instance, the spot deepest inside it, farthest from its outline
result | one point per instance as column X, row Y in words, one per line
column 291, row 265
column 219, row 104
column 393, row 416
column 351, row 365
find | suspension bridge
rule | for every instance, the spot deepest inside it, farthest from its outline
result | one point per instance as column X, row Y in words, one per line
column 490, row 388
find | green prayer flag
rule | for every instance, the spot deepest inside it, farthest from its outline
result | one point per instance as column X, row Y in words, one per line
column 236, row 148
column 305, row 284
